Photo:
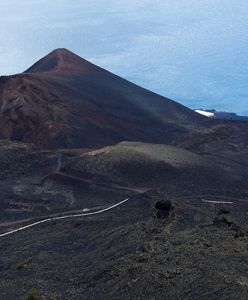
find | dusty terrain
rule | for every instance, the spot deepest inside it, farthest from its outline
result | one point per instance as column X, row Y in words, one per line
column 164, row 243
column 77, row 139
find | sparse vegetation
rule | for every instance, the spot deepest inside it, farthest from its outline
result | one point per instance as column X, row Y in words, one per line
column 22, row 266
column 33, row 294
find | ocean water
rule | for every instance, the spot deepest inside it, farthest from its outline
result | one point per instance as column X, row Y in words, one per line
column 193, row 51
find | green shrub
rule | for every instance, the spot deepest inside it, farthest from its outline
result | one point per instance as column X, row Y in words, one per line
column 33, row 294
column 22, row 266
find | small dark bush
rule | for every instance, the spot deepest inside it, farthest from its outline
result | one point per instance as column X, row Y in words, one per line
column 223, row 211
column 22, row 266
column 33, row 294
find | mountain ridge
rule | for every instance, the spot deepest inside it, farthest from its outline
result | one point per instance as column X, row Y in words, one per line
column 61, row 59
column 65, row 101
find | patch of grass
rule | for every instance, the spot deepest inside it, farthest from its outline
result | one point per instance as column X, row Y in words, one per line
column 22, row 266
column 33, row 294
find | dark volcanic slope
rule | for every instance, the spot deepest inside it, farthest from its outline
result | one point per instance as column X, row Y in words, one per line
column 147, row 249
column 158, row 166
column 65, row 101
column 183, row 232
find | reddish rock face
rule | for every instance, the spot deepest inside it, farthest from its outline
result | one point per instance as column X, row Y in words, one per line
column 65, row 101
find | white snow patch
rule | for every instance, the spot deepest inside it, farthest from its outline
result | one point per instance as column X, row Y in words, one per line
column 205, row 113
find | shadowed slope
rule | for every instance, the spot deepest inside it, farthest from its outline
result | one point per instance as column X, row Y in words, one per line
column 153, row 165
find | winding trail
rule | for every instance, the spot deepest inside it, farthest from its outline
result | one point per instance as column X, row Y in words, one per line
column 217, row 202
column 58, row 172
column 222, row 198
column 64, row 217
column 71, row 216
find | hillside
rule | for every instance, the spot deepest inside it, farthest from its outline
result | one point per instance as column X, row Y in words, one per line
column 154, row 165
column 65, row 101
